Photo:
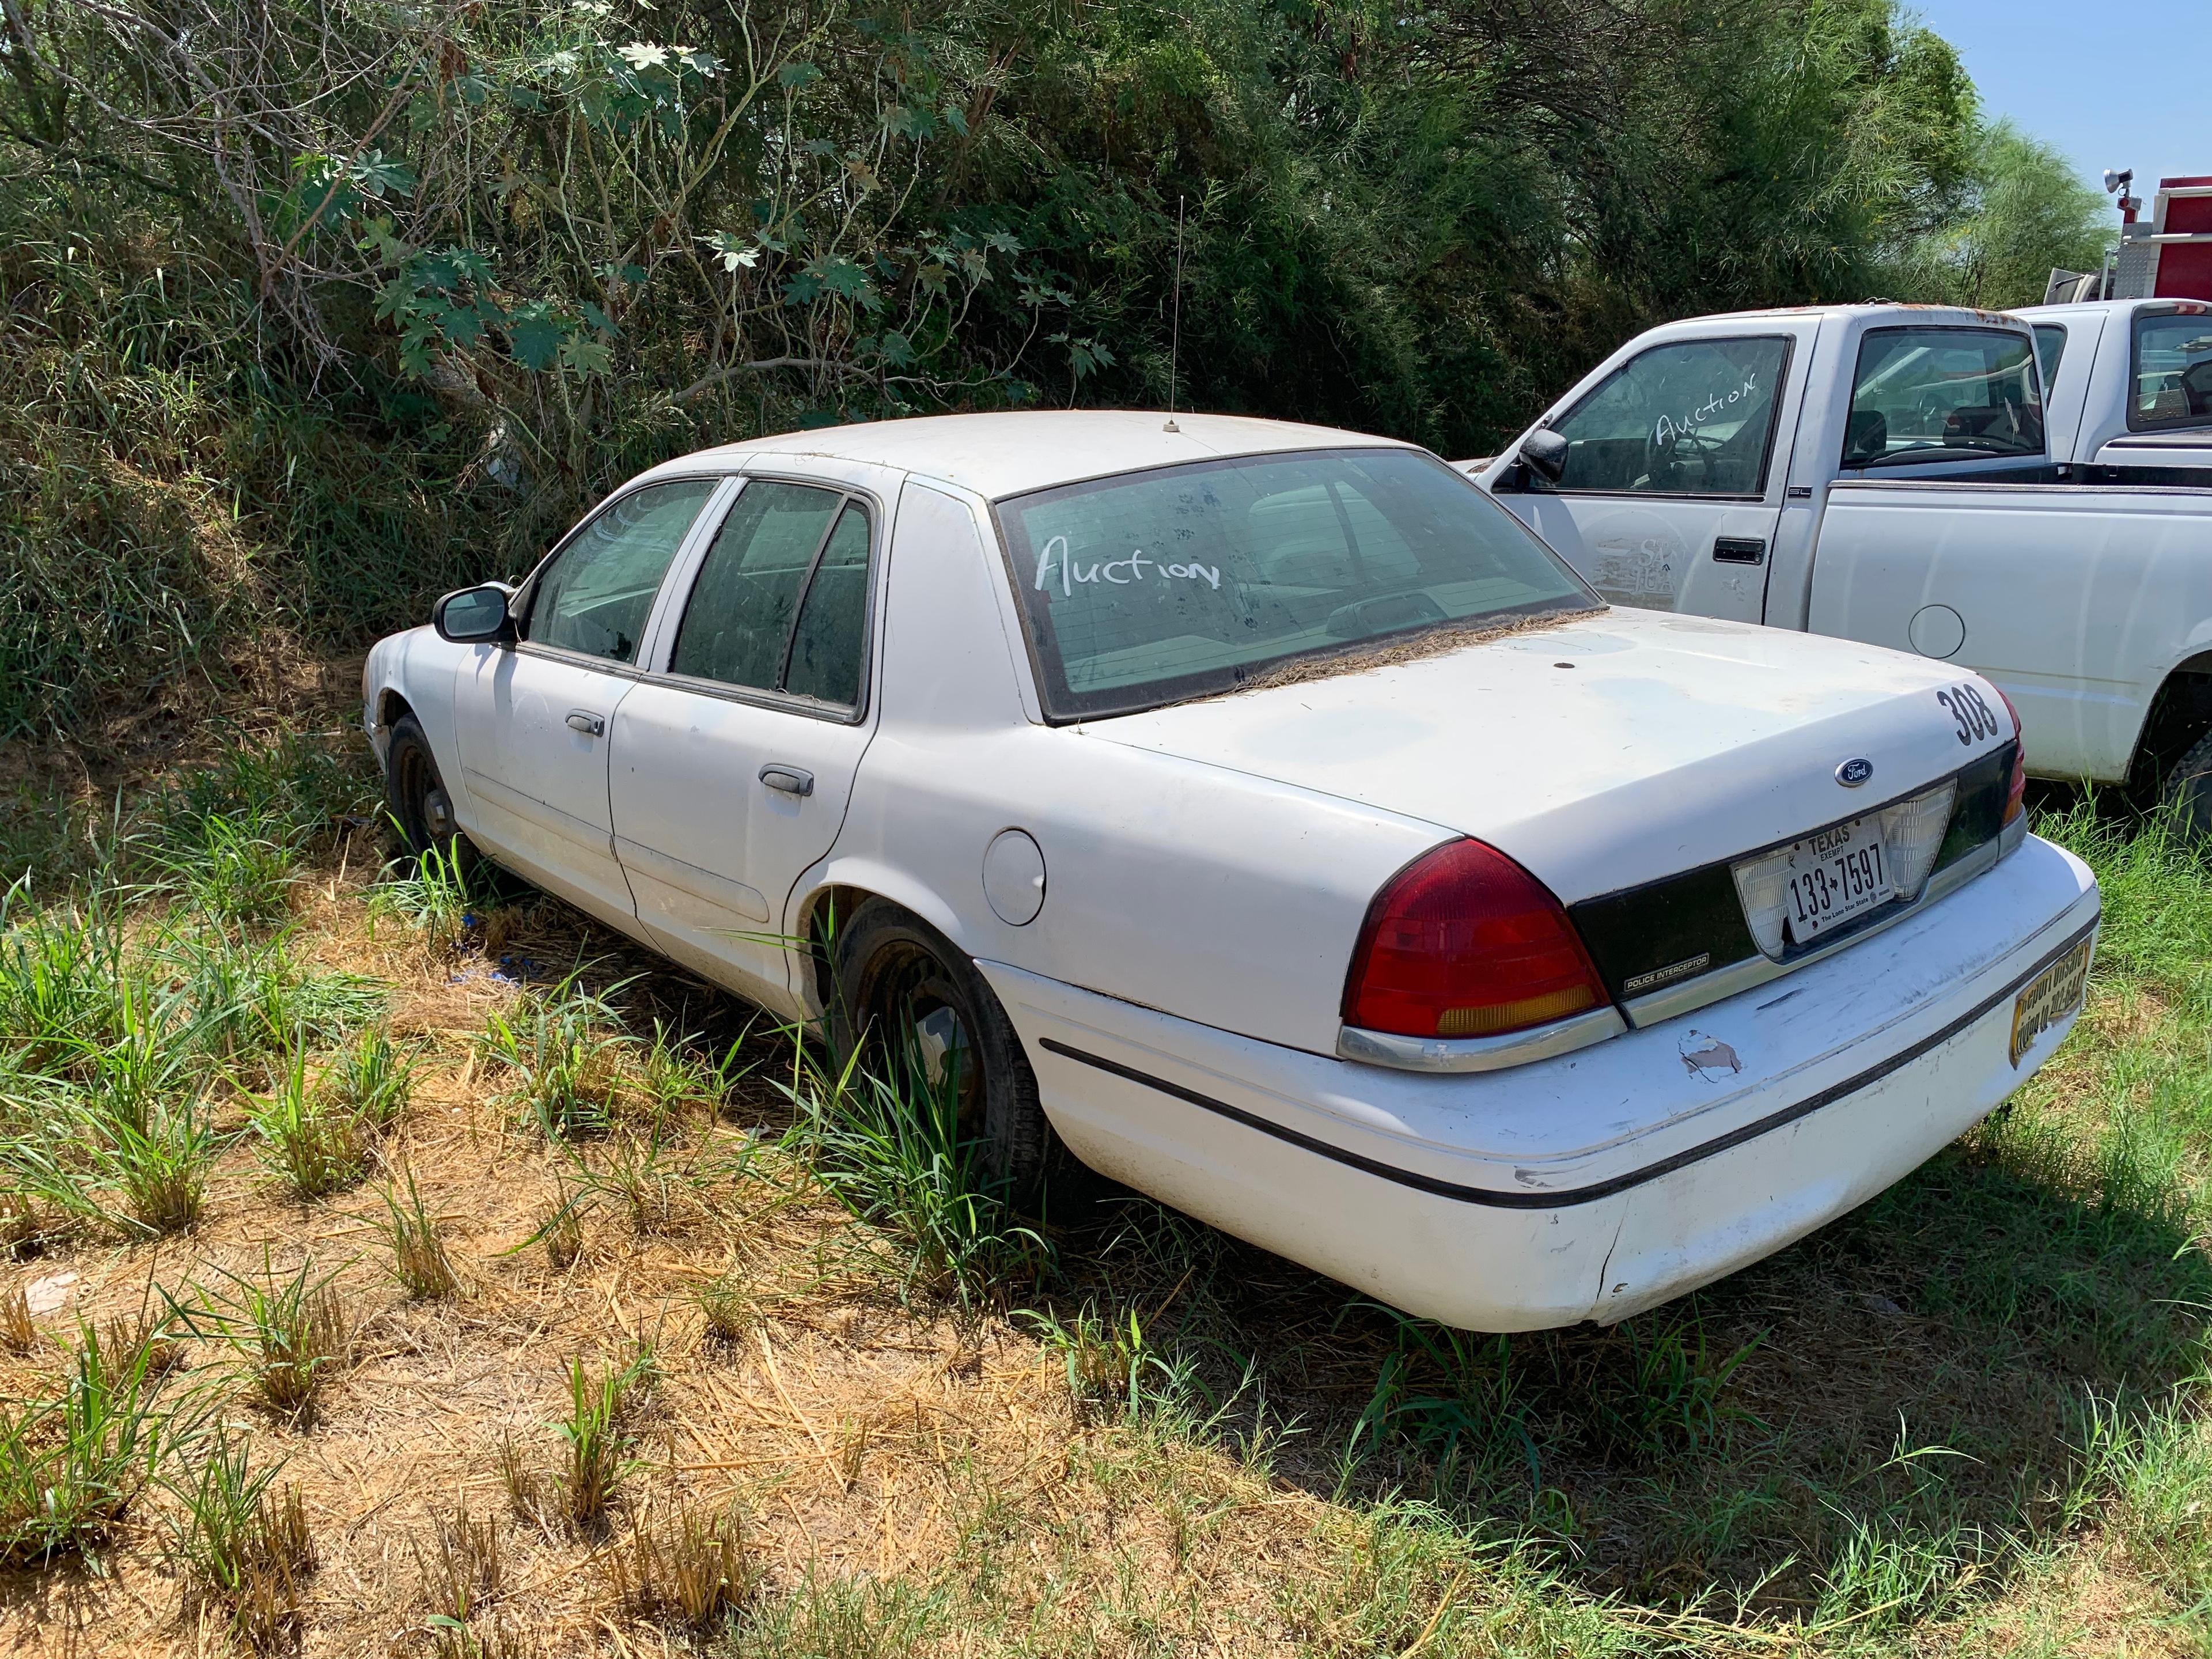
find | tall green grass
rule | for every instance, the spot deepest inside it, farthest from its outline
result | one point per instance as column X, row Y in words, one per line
column 73, row 1465
column 890, row 1145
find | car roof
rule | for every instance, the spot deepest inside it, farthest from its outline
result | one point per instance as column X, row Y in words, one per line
column 1008, row 455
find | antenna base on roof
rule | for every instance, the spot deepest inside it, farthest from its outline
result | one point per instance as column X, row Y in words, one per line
column 1171, row 426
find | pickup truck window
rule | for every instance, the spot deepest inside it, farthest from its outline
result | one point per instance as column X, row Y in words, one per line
column 1148, row 588
column 1938, row 394
column 2050, row 347
column 595, row 596
column 2172, row 371
column 780, row 600
column 1695, row 417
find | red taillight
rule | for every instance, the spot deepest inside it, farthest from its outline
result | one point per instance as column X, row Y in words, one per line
column 2017, row 785
column 1465, row 943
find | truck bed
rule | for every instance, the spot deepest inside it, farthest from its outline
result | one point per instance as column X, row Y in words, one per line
column 2041, row 583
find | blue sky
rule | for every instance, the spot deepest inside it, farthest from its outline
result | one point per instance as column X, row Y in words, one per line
column 2110, row 84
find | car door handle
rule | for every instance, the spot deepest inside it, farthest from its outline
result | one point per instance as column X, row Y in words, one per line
column 583, row 720
column 791, row 779
column 1738, row 549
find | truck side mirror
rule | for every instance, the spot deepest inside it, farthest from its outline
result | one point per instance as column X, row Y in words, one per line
column 472, row 615
column 1545, row 453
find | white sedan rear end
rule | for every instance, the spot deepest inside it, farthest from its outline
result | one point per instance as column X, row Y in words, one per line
column 1263, row 815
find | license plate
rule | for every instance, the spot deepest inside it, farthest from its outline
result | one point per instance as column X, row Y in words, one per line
column 2049, row 997
column 1834, row 877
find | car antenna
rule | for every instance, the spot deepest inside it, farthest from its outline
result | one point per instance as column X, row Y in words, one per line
column 1175, row 326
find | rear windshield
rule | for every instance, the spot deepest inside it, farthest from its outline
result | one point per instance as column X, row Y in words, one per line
column 2172, row 371
column 1942, row 393
column 1146, row 587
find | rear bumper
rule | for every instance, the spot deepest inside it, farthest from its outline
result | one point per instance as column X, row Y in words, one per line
column 1596, row 1184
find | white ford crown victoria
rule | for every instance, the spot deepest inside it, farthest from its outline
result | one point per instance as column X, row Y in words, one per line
column 1264, row 815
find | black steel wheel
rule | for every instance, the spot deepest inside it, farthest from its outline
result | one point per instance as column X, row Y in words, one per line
column 2186, row 794
column 415, row 794
column 907, row 998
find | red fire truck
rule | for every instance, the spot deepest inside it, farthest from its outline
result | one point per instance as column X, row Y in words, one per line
column 2168, row 258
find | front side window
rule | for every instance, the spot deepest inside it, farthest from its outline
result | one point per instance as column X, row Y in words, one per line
column 780, row 601
column 2171, row 371
column 597, row 592
column 1148, row 588
column 1692, row 418
column 1936, row 394
column 2050, row 347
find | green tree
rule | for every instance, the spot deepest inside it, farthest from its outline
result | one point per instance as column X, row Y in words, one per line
column 2025, row 214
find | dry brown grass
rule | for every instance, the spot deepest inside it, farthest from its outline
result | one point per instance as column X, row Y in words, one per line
column 845, row 1435
column 816, row 1451
column 19, row 1332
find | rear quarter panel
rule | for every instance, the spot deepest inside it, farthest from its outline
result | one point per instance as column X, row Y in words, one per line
column 1221, row 897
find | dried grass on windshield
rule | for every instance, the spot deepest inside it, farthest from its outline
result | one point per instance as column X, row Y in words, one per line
column 1389, row 652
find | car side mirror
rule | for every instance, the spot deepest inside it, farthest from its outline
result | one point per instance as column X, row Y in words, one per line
column 474, row 616
column 1545, row 453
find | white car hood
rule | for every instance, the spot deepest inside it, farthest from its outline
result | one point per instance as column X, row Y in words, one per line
column 1670, row 743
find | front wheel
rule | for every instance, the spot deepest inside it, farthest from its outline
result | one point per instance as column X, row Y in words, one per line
column 909, row 1000
column 415, row 795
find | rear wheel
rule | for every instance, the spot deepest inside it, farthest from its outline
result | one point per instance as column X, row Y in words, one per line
column 908, row 1000
column 2187, row 795
column 415, row 794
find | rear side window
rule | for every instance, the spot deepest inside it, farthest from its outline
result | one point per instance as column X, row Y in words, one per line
column 2050, row 347
column 2171, row 371
column 780, row 601
column 596, row 595
column 1143, row 588
column 1935, row 394
column 1692, row 418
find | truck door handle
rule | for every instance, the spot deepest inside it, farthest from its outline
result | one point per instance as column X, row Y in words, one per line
column 791, row 779
column 583, row 720
column 1739, row 550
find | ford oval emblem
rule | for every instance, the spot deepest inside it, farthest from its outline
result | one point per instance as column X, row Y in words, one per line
column 1855, row 771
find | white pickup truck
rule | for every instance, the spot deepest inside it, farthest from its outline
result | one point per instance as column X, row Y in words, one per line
column 1909, row 477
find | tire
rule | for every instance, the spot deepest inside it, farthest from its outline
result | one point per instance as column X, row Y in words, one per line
column 2186, row 796
column 902, row 993
column 415, row 794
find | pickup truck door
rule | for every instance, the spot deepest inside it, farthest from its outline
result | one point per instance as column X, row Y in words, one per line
column 530, row 723
column 1671, row 491
column 733, row 763
column 2154, row 422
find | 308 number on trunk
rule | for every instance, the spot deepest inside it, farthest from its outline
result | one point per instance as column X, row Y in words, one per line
column 1977, row 721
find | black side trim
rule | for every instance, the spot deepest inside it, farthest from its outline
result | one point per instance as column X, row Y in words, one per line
column 1559, row 1200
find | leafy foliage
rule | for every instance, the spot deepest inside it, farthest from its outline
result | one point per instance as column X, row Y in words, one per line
column 312, row 311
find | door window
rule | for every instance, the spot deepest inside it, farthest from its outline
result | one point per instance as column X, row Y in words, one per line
column 2050, row 347
column 598, row 592
column 1935, row 394
column 830, row 642
column 2172, row 371
column 780, row 602
column 1692, row 418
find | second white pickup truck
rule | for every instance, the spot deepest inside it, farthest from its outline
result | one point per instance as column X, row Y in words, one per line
column 1900, row 475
